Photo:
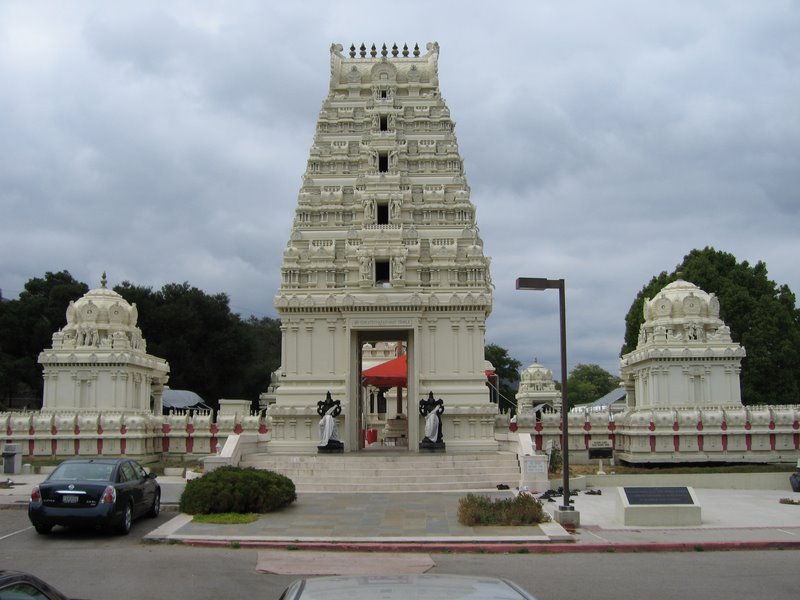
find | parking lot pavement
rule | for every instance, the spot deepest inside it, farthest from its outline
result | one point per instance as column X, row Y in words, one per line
column 731, row 519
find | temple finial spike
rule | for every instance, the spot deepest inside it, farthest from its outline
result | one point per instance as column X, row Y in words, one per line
column 103, row 280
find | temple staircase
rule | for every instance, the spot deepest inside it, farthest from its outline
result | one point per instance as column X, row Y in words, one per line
column 392, row 472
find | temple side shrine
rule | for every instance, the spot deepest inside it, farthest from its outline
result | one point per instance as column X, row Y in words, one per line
column 383, row 248
column 99, row 360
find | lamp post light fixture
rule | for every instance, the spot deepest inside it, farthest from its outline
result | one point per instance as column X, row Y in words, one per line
column 541, row 283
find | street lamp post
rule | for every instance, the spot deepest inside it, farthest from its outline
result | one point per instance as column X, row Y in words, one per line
column 540, row 283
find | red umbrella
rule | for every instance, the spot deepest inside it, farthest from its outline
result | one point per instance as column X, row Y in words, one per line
column 393, row 373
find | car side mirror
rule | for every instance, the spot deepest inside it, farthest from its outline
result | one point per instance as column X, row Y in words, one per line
column 151, row 475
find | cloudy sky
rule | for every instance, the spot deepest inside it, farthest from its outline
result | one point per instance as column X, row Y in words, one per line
column 165, row 142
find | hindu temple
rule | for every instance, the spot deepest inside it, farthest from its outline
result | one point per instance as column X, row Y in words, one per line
column 384, row 248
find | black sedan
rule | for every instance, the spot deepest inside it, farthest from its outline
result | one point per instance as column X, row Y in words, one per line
column 105, row 492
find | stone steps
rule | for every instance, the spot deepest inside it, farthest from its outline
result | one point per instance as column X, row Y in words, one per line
column 391, row 472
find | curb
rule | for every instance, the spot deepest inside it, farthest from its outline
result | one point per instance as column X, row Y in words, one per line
column 481, row 548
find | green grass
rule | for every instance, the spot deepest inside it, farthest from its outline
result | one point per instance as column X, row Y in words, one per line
column 227, row 518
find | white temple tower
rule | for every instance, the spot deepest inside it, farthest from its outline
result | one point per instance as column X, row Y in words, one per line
column 536, row 387
column 383, row 248
column 99, row 360
column 685, row 356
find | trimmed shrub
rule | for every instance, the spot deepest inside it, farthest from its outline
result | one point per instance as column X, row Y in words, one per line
column 235, row 490
column 523, row 509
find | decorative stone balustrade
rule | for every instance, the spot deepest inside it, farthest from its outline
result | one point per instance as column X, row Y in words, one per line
column 740, row 434
column 123, row 434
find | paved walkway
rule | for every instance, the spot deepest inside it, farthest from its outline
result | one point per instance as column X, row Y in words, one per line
column 731, row 519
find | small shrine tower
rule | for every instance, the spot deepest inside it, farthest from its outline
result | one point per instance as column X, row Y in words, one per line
column 685, row 357
column 99, row 360
column 384, row 248
column 537, row 388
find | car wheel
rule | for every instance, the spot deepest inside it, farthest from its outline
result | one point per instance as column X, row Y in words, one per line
column 156, row 508
column 43, row 529
column 124, row 527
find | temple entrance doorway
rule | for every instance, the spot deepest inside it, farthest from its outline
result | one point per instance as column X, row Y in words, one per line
column 384, row 375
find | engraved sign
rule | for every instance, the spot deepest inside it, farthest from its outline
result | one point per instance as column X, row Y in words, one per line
column 658, row 495
column 599, row 449
column 537, row 466
column 379, row 323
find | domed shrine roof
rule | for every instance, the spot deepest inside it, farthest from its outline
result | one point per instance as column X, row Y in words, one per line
column 536, row 372
column 101, row 318
column 681, row 299
column 536, row 378
column 682, row 312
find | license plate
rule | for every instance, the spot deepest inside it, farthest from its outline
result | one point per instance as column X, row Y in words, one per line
column 69, row 499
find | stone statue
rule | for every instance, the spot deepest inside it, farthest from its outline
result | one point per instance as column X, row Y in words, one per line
column 329, row 441
column 366, row 267
column 399, row 266
column 432, row 410
column 695, row 332
column 722, row 334
column 395, row 209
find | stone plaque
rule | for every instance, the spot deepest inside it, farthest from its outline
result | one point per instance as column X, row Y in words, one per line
column 532, row 466
column 381, row 323
column 658, row 495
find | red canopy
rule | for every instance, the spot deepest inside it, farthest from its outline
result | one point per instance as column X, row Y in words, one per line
column 393, row 373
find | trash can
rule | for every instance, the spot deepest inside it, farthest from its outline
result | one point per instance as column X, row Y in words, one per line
column 12, row 459
column 794, row 479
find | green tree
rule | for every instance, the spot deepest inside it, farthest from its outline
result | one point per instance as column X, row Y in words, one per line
column 26, row 328
column 762, row 316
column 196, row 334
column 507, row 370
column 265, row 341
column 210, row 350
column 587, row 383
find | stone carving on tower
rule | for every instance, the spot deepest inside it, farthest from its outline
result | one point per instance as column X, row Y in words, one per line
column 384, row 246
column 99, row 361
column 685, row 356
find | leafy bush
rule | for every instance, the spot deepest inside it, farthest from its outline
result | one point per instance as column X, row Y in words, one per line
column 523, row 509
column 235, row 490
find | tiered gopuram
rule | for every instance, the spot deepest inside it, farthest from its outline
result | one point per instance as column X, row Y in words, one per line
column 384, row 247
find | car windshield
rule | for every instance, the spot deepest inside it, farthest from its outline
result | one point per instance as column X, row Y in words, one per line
column 83, row 472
